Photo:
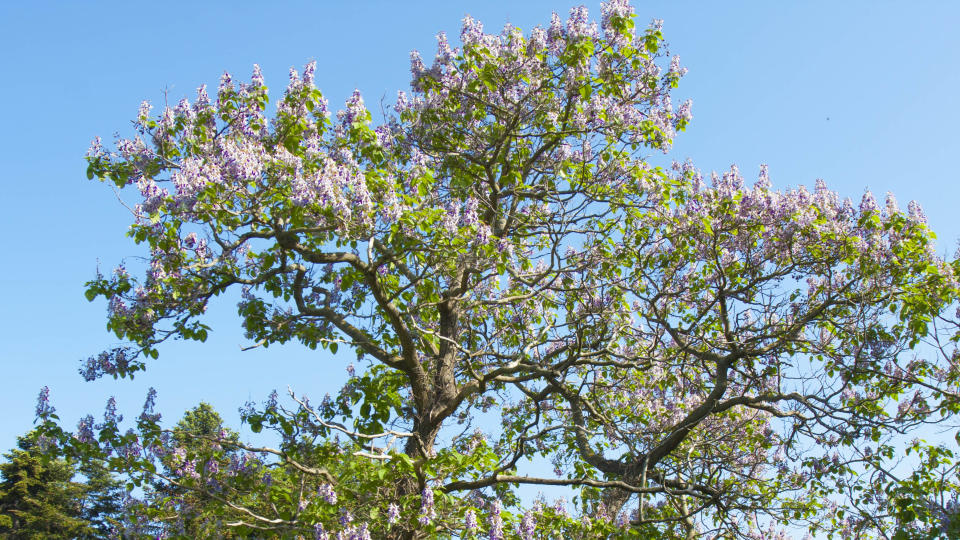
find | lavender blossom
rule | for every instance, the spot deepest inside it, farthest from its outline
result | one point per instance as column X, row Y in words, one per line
column 470, row 521
column 528, row 526
column 496, row 522
column 110, row 416
column 44, row 408
column 327, row 493
column 85, row 430
column 393, row 513
column 427, row 511
column 147, row 415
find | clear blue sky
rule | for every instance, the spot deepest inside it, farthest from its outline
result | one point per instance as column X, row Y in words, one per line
column 862, row 94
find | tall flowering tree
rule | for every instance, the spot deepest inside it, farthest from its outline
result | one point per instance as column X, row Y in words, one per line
column 694, row 357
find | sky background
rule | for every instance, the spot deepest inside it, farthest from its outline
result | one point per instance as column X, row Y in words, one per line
column 861, row 94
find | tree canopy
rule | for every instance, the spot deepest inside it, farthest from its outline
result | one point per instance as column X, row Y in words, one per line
column 521, row 284
column 41, row 496
column 167, row 510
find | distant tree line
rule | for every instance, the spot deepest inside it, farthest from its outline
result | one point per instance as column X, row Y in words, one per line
column 46, row 496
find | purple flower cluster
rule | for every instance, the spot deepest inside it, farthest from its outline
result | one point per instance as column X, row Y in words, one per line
column 85, row 430
column 44, row 408
column 393, row 513
column 612, row 14
column 355, row 111
column 495, row 520
column 327, row 493
column 148, row 415
column 428, row 512
column 112, row 362
column 110, row 415
column 528, row 526
column 470, row 524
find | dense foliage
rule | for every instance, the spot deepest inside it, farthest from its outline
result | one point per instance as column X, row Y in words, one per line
column 167, row 510
column 519, row 283
column 42, row 497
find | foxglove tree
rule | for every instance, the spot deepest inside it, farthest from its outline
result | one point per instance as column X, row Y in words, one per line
column 695, row 358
